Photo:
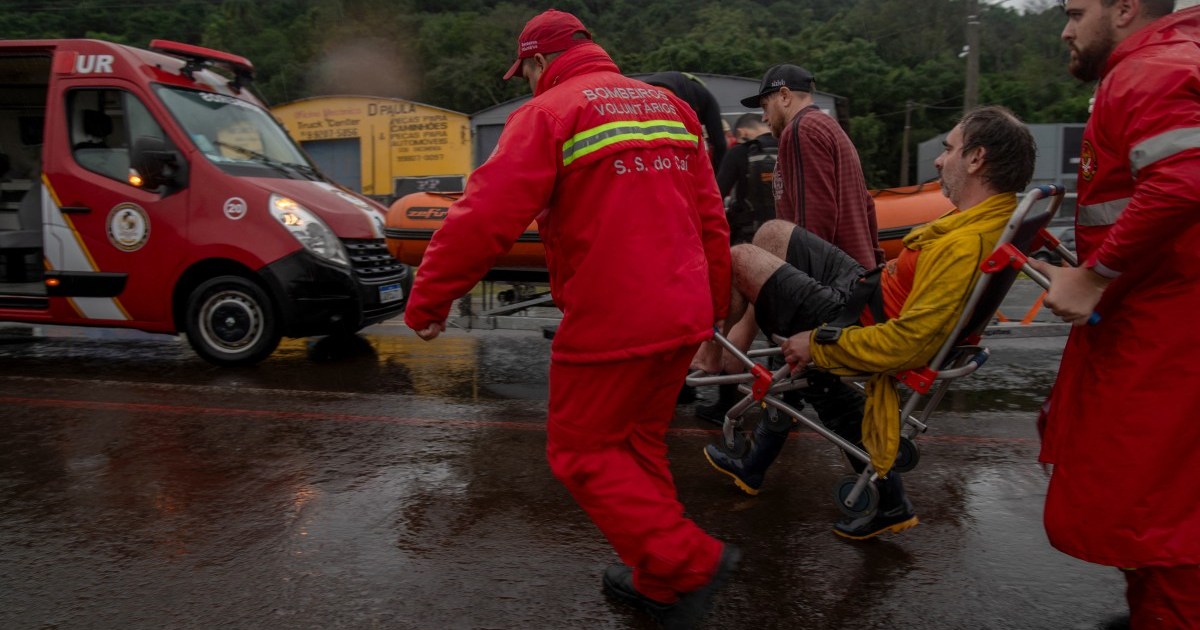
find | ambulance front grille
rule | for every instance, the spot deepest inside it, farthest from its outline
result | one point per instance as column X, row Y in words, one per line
column 371, row 259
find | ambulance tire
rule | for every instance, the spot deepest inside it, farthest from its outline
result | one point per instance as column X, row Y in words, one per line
column 231, row 321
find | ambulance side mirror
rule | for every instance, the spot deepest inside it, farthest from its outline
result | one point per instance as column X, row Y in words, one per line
column 158, row 164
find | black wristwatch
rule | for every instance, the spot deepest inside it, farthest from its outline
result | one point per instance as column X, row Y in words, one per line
column 828, row 333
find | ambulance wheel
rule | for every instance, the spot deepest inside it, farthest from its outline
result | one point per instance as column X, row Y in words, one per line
column 907, row 455
column 231, row 321
column 866, row 503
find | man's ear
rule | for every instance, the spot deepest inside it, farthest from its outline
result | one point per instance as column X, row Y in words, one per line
column 975, row 160
column 1125, row 12
column 785, row 96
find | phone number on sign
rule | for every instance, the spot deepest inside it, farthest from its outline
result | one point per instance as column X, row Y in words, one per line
column 325, row 134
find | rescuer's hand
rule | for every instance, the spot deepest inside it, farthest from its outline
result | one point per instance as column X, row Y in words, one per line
column 430, row 332
column 796, row 350
column 1074, row 291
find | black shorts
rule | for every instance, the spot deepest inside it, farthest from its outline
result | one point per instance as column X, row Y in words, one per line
column 809, row 290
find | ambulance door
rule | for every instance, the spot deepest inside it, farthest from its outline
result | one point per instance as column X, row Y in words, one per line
column 119, row 242
column 24, row 80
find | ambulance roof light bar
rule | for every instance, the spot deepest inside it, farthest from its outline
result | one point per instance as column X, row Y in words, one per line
column 198, row 57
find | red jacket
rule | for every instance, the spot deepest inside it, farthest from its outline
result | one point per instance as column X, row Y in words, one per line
column 1123, row 424
column 616, row 174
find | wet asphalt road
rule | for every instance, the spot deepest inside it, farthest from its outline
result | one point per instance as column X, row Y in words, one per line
column 392, row 483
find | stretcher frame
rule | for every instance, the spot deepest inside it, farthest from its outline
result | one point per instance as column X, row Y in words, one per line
column 960, row 355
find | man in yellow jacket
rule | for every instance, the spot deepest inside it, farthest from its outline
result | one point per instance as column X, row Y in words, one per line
column 799, row 286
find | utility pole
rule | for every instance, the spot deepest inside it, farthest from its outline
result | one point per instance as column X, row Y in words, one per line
column 971, row 94
column 908, row 107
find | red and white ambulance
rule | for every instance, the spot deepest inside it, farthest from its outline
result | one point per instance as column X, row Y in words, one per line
column 150, row 189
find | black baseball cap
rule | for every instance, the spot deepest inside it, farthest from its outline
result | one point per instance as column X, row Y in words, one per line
column 783, row 75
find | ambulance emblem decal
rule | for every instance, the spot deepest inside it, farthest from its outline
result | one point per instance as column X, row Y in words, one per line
column 235, row 208
column 1087, row 161
column 128, row 227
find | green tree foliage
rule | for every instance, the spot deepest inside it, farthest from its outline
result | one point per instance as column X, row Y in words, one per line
column 123, row 21
column 466, row 55
column 879, row 54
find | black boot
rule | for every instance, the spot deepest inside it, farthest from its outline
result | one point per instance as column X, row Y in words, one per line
column 727, row 397
column 689, row 610
column 687, row 394
column 767, row 442
column 895, row 513
column 840, row 407
column 895, row 519
column 618, row 584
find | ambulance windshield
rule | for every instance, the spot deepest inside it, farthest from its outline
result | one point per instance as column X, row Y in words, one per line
column 237, row 136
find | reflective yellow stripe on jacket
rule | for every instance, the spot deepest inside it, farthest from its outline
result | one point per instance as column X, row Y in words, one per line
column 596, row 138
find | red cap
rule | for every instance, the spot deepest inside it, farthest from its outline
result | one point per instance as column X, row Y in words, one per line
column 549, row 32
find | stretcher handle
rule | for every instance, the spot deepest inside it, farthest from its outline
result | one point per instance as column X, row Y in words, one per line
column 1007, row 255
column 1052, row 242
column 732, row 349
column 1044, row 282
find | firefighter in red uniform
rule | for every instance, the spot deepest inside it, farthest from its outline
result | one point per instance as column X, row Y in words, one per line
column 616, row 174
column 1122, row 426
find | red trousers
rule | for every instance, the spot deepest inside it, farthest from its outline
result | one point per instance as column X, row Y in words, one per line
column 1163, row 598
column 606, row 444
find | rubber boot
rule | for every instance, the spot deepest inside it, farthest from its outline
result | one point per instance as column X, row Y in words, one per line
column 895, row 513
column 891, row 492
column 767, row 441
column 840, row 407
column 687, row 394
column 727, row 397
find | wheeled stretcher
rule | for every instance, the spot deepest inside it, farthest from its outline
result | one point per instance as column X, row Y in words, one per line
column 960, row 355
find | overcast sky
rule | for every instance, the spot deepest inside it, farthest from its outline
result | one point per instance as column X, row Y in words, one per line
column 1024, row 5
column 1038, row 5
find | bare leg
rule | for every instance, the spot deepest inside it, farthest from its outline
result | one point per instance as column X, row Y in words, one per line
column 752, row 266
column 774, row 237
column 741, row 336
column 708, row 358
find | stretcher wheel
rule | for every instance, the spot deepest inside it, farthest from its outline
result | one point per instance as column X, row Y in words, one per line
column 907, row 456
column 867, row 502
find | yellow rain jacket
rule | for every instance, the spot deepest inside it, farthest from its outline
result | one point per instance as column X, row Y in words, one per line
column 952, row 248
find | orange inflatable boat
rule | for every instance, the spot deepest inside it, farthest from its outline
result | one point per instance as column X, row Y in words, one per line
column 899, row 210
column 412, row 220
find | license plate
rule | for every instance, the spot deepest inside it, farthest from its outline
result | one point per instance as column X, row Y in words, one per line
column 390, row 293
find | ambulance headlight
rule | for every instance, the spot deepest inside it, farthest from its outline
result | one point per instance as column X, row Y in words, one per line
column 312, row 233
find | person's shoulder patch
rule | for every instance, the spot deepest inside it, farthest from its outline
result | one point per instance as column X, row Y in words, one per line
column 1087, row 161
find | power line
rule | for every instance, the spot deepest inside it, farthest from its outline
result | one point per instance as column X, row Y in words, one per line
column 927, row 106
